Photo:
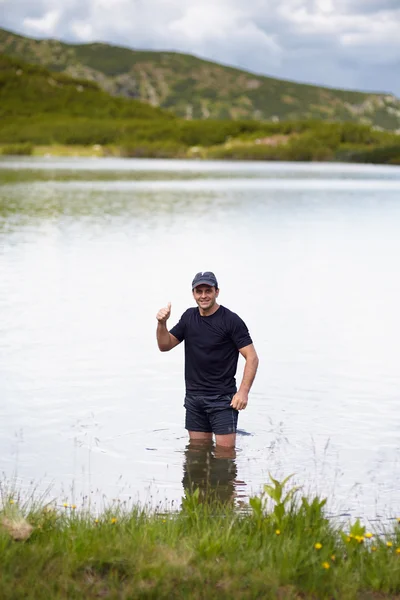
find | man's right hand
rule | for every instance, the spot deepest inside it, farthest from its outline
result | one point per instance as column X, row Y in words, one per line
column 164, row 314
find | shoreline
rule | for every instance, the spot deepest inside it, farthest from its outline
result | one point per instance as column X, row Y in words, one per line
column 245, row 152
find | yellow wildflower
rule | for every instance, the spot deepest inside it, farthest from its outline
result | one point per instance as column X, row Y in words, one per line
column 96, row 521
column 325, row 565
column 368, row 535
column 359, row 539
column 278, row 532
column 348, row 539
column 65, row 505
column 389, row 544
column 113, row 520
column 318, row 546
column 397, row 550
column 73, row 506
column 398, row 519
column 333, row 557
column 373, row 548
column 11, row 501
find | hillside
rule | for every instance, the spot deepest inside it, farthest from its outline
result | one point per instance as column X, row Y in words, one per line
column 31, row 90
column 41, row 109
column 197, row 89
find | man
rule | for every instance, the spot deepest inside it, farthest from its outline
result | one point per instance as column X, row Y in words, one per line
column 213, row 336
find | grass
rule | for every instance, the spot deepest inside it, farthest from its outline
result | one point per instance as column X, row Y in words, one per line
column 281, row 546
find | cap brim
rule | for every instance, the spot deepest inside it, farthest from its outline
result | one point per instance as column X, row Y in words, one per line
column 204, row 282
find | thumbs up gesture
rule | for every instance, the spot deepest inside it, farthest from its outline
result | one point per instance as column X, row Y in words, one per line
column 164, row 313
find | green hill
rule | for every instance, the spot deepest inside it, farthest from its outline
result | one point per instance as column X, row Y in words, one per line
column 30, row 90
column 197, row 89
column 44, row 109
column 41, row 107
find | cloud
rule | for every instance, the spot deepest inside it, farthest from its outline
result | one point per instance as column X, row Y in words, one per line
column 341, row 43
column 45, row 24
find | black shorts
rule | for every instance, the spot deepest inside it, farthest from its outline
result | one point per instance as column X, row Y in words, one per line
column 210, row 414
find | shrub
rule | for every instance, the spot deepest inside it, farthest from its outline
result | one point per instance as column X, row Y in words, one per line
column 381, row 155
column 25, row 149
column 152, row 150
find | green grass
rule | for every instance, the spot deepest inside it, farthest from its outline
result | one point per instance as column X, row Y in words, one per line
column 281, row 546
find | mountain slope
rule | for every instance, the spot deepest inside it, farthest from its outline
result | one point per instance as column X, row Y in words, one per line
column 30, row 90
column 195, row 88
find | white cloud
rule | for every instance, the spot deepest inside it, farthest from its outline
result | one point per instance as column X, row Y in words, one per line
column 44, row 25
column 347, row 43
column 204, row 21
column 82, row 31
column 227, row 32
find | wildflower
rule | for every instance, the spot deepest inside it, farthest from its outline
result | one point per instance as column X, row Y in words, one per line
column 333, row 557
column 398, row 519
column 368, row 535
column 359, row 539
column 73, row 506
column 164, row 520
column 373, row 548
column 318, row 546
column 325, row 565
column 96, row 521
column 113, row 520
column 397, row 550
column 65, row 505
column 278, row 532
column 348, row 539
column 11, row 501
column 389, row 544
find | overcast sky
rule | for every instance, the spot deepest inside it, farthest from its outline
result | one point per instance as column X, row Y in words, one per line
column 342, row 43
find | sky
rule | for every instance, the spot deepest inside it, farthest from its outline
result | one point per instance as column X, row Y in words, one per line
column 353, row 44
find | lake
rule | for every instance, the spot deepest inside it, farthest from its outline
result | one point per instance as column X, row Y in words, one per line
column 307, row 254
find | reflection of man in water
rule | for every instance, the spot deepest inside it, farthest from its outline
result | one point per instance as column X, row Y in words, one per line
column 213, row 336
column 212, row 470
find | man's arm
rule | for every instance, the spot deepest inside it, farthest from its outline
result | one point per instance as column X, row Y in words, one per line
column 165, row 340
column 240, row 399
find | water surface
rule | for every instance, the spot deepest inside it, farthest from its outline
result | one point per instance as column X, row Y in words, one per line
column 307, row 254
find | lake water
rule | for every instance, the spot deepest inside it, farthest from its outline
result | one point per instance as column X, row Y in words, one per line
column 307, row 254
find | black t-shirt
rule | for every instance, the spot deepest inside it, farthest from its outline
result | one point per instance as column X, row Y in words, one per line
column 211, row 349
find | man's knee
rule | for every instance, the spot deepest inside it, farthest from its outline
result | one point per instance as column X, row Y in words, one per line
column 226, row 441
column 204, row 436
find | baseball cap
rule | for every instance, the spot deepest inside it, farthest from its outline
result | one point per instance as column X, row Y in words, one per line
column 204, row 278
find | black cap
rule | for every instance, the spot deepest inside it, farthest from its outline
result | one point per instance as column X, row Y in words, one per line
column 204, row 278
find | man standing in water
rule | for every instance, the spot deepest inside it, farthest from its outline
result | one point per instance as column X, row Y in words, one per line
column 213, row 336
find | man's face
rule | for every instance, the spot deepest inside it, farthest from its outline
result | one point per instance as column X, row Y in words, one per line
column 205, row 296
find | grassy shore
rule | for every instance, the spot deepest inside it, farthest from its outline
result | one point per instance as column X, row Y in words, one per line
column 238, row 150
column 281, row 546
